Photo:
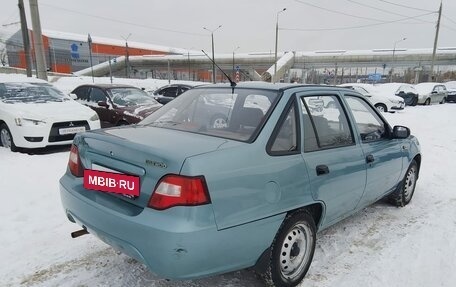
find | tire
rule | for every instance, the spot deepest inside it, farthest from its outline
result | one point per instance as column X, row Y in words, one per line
column 6, row 139
column 404, row 194
column 381, row 107
column 218, row 122
column 427, row 102
column 292, row 250
column 415, row 102
column 443, row 101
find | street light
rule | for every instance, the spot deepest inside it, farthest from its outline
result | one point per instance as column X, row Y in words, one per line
column 127, row 60
column 274, row 78
column 233, row 59
column 213, row 60
column 89, row 41
column 394, row 51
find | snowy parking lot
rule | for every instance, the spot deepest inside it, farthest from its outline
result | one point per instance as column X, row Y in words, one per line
column 380, row 246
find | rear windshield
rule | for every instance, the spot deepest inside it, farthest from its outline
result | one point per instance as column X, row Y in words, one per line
column 30, row 93
column 216, row 112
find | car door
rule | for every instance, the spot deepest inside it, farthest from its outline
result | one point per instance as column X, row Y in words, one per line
column 96, row 96
column 437, row 94
column 336, row 165
column 383, row 155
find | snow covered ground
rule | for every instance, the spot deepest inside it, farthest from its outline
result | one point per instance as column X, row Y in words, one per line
column 380, row 246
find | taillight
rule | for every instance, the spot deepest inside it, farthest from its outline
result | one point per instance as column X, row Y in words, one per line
column 74, row 162
column 177, row 190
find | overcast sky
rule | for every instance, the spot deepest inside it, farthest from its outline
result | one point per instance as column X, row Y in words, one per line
column 249, row 24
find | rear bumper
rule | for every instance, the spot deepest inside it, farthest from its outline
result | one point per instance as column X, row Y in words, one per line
column 178, row 243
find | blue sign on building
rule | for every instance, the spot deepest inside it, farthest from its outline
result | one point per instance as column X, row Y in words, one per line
column 74, row 51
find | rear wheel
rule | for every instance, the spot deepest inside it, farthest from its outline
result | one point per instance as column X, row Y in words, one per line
column 6, row 139
column 218, row 122
column 443, row 101
column 404, row 195
column 381, row 107
column 292, row 250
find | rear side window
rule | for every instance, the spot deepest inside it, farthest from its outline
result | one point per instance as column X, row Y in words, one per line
column 325, row 123
column 370, row 125
column 285, row 137
column 82, row 93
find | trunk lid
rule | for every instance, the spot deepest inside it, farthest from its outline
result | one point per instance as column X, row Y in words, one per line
column 147, row 152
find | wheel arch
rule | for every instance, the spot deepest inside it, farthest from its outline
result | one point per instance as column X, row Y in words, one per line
column 417, row 159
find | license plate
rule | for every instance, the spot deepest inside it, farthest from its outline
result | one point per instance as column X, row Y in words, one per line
column 72, row 130
column 111, row 182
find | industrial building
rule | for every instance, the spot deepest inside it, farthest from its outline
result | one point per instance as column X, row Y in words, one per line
column 70, row 53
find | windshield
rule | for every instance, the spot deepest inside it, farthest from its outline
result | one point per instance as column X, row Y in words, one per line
column 30, row 93
column 127, row 97
column 216, row 112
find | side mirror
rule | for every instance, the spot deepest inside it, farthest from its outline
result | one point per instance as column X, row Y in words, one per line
column 401, row 132
column 73, row 96
column 103, row 104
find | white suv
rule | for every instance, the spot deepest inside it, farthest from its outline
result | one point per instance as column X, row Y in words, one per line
column 35, row 114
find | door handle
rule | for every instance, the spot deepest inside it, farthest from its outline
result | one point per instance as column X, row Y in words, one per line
column 322, row 169
column 370, row 158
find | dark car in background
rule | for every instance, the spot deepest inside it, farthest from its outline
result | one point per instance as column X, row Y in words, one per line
column 168, row 93
column 116, row 105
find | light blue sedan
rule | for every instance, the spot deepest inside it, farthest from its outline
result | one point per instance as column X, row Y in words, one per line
column 224, row 178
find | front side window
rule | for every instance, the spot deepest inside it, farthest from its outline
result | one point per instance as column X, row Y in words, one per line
column 97, row 95
column 370, row 125
column 325, row 123
column 220, row 112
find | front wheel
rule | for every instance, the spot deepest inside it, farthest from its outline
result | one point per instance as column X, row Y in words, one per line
column 427, row 102
column 6, row 139
column 381, row 107
column 292, row 250
column 404, row 195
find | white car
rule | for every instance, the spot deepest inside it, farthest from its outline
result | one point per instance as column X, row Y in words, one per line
column 430, row 93
column 383, row 102
column 34, row 114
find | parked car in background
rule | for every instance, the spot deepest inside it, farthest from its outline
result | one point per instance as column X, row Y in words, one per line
column 191, row 199
column 431, row 93
column 116, row 105
column 405, row 91
column 168, row 93
column 384, row 103
column 34, row 114
column 451, row 89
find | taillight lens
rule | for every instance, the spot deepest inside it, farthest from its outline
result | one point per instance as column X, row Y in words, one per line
column 177, row 190
column 74, row 162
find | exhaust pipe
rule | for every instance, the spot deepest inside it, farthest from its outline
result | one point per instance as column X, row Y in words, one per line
column 79, row 233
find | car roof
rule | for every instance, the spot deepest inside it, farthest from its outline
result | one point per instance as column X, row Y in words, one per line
column 264, row 85
column 14, row 78
column 108, row 86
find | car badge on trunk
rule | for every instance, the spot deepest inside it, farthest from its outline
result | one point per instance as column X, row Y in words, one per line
column 156, row 163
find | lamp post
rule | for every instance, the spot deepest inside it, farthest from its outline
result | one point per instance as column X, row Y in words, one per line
column 394, row 52
column 233, row 59
column 127, row 60
column 213, row 60
column 89, row 41
column 274, row 77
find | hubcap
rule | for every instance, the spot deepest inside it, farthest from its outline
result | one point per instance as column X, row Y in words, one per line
column 381, row 108
column 6, row 138
column 410, row 182
column 295, row 251
column 219, row 123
